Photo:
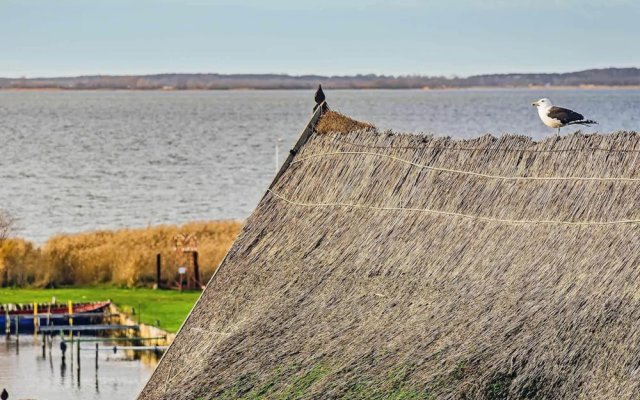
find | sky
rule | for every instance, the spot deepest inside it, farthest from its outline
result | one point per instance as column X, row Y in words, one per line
column 40, row 38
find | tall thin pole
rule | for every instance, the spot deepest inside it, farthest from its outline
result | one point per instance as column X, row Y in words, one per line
column 277, row 158
column 7, row 323
column 70, row 310
column 158, row 270
column 277, row 162
column 196, row 270
column 36, row 321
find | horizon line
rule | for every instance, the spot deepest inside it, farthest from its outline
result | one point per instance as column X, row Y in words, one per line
column 297, row 75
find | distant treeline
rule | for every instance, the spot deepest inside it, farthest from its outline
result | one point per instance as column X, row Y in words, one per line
column 124, row 257
column 595, row 77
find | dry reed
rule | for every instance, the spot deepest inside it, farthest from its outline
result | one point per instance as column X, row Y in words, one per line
column 124, row 257
column 21, row 263
column 324, row 301
column 332, row 122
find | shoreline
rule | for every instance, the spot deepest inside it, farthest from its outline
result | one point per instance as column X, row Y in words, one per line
column 426, row 88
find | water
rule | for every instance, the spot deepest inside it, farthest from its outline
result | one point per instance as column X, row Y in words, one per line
column 26, row 374
column 77, row 161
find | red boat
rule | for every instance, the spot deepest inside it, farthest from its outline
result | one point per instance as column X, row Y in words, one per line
column 48, row 313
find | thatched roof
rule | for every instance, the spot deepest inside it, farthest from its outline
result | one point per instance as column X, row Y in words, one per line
column 382, row 265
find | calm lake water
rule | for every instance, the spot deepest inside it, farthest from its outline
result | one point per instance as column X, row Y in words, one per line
column 26, row 374
column 77, row 161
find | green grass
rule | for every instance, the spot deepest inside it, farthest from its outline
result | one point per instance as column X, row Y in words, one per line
column 164, row 308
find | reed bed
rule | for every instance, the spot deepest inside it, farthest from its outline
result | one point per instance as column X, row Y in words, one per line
column 124, row 257
column 361, row 276
column 21, row 263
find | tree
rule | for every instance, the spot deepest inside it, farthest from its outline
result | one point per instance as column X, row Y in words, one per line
column 7, row 224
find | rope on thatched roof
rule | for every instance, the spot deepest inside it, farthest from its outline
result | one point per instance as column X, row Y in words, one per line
column 471, row 173
column 452, row 214
column 505, row 149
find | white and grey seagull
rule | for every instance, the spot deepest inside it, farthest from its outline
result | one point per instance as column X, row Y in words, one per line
column 557, row 117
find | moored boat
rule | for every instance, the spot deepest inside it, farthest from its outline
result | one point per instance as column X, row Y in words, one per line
column 24, row 316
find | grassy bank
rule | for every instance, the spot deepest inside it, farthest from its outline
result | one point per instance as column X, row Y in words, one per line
column 125, row 257
column 163, row 308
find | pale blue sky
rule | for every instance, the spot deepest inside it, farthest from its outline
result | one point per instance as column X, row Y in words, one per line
column 72, row 37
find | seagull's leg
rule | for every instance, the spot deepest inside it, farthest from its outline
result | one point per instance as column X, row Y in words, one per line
column 558, row 131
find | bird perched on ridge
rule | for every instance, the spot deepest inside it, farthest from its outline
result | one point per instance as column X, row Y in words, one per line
column 557, row 117
column 4, row 395
column 319, row 98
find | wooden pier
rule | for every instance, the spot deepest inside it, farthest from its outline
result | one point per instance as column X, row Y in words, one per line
column 119, row 339
column 86, row 328
column 114, row 349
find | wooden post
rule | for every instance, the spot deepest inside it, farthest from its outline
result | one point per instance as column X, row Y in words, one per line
column 7, row 324
column 63, row 347
column 78, row 357
column 48, row 315
column 196, row 270
column 70, row 309
column 78, row 353
column 36, row 321
column 158, row 269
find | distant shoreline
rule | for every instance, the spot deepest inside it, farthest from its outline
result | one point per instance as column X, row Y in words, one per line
column 530, row 87
column 604, row 78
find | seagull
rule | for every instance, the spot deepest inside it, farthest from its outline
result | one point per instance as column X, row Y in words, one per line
column 557, row 117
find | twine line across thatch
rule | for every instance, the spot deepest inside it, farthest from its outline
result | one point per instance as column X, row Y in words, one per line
column 471, row 173
column 505, row 149
column 452, row 214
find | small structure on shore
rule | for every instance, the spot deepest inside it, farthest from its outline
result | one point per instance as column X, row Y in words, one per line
column 186, row 259
column 380, row 264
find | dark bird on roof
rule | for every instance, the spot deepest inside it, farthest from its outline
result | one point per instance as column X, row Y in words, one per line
column 557, row 117
column 319, row 95
column 4, row 395
column 320, row 98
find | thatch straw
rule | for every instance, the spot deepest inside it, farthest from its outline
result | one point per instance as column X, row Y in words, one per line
column 377, row 301
column 334, row 122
